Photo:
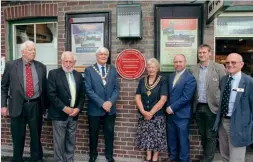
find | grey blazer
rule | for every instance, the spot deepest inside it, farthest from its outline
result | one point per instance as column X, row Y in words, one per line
column 215, row 73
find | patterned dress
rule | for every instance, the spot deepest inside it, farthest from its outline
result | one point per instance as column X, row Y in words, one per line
column 151, row 134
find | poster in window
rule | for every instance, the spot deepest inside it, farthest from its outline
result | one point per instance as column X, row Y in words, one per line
column 86, row 38
column 178, row 36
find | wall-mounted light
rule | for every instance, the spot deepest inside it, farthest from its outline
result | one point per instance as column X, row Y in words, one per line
column 129, row 21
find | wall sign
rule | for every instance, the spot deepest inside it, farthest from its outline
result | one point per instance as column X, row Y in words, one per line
column 178, row 36
column 85, row 33
column 130, row 64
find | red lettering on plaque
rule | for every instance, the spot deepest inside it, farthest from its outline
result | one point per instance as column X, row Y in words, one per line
column 130, row 64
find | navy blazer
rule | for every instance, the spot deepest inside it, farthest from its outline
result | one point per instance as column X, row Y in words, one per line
column 181, row 95
column 241, row 122
column 98, row 93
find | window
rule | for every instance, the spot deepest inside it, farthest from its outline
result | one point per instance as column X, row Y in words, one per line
column 43, row 34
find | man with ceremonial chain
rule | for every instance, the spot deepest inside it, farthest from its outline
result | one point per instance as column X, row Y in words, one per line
column 102, row 88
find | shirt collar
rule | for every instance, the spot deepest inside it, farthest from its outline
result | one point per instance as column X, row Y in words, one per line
column 99, row 66
column 204, row 67
column 236, row 76
column 181, row 72
column 24, row 62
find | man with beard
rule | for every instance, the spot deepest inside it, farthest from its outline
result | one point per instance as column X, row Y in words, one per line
column 66, row 95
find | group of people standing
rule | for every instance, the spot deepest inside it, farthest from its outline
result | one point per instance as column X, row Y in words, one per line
column 27, row 92
column 220, row 99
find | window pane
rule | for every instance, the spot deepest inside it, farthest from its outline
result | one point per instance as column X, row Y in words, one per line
column 234, row 26
column 46, row 43
column 43, row 33
column 24, row 32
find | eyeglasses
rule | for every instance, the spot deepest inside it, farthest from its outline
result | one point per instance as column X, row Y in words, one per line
column 231, row 62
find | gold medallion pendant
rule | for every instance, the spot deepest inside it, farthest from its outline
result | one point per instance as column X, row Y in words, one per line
column 149, row 88
column 148, row 93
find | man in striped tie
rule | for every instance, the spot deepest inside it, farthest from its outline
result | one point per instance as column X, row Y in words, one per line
column 66, row 95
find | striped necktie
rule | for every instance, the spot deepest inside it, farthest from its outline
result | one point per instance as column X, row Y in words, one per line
column 72, row 89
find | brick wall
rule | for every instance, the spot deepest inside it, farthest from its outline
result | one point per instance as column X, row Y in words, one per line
column 126, row 120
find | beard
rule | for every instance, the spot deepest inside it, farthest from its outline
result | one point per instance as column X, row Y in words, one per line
column 67, row 70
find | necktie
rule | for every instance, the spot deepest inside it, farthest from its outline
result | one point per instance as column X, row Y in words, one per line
column 225, row 97
column 103, row 71
column 72, row 89
column 175, row 79
column 29, row 80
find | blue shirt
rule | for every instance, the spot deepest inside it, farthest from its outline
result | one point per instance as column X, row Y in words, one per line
column 234, row 85
column 202, row 84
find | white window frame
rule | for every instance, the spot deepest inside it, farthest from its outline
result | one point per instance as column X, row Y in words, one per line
column 14, row 56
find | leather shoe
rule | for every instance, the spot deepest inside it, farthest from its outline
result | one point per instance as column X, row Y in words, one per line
column 92, row 159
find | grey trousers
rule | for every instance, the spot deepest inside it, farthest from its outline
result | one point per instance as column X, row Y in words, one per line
column 64, row 135
column 229, row 153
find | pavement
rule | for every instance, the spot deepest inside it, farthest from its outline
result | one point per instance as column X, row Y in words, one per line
column 6, row 154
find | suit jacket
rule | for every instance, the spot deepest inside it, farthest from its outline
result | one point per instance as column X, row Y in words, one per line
column 180, row 96
column 241, row 122
column 12, row 86
column 59, row 93
column 98, row 93
column 215, row 73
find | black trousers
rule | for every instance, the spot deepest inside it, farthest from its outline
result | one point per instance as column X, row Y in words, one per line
column 205, row 120
column 32, row 115
column 94, row 124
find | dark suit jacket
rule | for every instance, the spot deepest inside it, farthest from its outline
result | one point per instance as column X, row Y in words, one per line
column 98, row 93
column 180, row 96
column 59, row 94
column 12, row 88
column 241, row 123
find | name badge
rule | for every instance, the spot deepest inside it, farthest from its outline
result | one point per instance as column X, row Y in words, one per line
column 215, row 79
column 238, row 89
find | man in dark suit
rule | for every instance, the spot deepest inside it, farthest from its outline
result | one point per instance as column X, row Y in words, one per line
column 207, row 98
column 24, row 86
column 182, row 86
column 66, row 95
column 102, row 88
column 234, row 121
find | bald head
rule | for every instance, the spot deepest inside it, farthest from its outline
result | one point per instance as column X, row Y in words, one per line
column 234, row 63
column 179, row 62
column 236, row 55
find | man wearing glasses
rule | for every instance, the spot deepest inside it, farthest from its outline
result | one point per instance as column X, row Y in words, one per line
column 234, row 120
column 206, row 98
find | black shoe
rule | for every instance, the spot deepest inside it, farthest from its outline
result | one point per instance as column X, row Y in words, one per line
column 92, row 159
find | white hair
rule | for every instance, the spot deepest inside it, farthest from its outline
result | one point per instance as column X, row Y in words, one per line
column 68, row 53
column 23, row 45
column 154, row 61
column 102, row 50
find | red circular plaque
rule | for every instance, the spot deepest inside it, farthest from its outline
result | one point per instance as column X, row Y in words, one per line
column 130, row 64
